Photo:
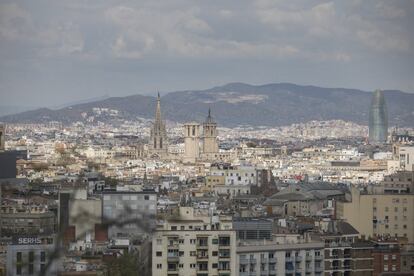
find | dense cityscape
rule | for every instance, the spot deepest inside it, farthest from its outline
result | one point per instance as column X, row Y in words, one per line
column 146, row 197
column 206, row 138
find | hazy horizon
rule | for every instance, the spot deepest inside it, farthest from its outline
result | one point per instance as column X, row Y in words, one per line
column 57, row 52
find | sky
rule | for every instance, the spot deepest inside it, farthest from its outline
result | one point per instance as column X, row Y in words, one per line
column 55, row 52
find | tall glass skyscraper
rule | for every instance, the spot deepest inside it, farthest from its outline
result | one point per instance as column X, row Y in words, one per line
column 378, row 119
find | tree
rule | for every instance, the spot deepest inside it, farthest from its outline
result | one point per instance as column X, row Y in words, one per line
column 125, row 265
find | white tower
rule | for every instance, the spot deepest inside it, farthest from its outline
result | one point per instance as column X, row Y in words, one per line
column 192, row 142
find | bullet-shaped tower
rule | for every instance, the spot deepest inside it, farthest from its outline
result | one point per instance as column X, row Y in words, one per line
column 378, row 119
column 2, row 137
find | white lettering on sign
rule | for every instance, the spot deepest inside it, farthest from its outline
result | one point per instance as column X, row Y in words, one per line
column 29, row 241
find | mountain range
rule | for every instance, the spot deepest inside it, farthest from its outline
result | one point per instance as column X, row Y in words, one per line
column 236, row 104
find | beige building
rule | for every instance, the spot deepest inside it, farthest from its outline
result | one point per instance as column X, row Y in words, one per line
column 375, row 214
column 194, row 245
column 191, row 142
column 404, row 154
column 210, row 144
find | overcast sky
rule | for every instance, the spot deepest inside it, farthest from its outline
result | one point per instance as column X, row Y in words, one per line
column 54, row 52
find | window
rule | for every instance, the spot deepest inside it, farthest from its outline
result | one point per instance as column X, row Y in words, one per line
column 192, row 241
column 159, row 241
column 173, row 228
column 215, row 241
column 385, row 257
column 159, row 266
column 181, row 241
column 19, row 269
column 193, row 253
column 192, row 265
column 31, row 269
column 19, row 256
column 181, row 265
column 159, row 253
column 31, row 257
column 215, row 253
column 182, row 227
column 395, row 209
column 385, row 267
column 394, row 268
column 214, row 265
column 146, row 197
column 386, row 209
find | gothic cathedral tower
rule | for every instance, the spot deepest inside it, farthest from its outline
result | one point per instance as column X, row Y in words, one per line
column 210, row 144
column 158, row 145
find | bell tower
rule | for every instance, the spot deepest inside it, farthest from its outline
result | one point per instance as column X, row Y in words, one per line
column 210, row 144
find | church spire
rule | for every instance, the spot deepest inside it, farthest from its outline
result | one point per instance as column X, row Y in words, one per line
column 158, row 111
column 209, row 119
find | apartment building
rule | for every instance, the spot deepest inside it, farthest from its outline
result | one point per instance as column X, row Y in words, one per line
column 280, row 257
column 192, row 244
column 32, row 255
column 379, row 213
column 386, row 256
column 344, row 253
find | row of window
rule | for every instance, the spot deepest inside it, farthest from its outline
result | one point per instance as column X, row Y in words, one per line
column 201, row 266
column 20, row 264
column 374, row 209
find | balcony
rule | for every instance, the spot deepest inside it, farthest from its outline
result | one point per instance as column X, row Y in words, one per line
column 172, row 246
column 288, row 259
column 173, row 258
column 244, row 261
column 272, row 260
column 298, row 259
column 253, row 261
column 308, row 258
column 289, row 270
column 318, row 258
column 244, row 273
column 263, row 260
column 201, row 256
column 318, row 269
column 203, row 243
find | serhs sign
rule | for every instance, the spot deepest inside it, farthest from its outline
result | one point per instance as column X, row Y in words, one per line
column 27, row 240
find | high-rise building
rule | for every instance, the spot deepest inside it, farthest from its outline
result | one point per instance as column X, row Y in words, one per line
column 378, row 119
column 210, row 144
column 191, row 142
column 2, row 137
column 158, row 145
